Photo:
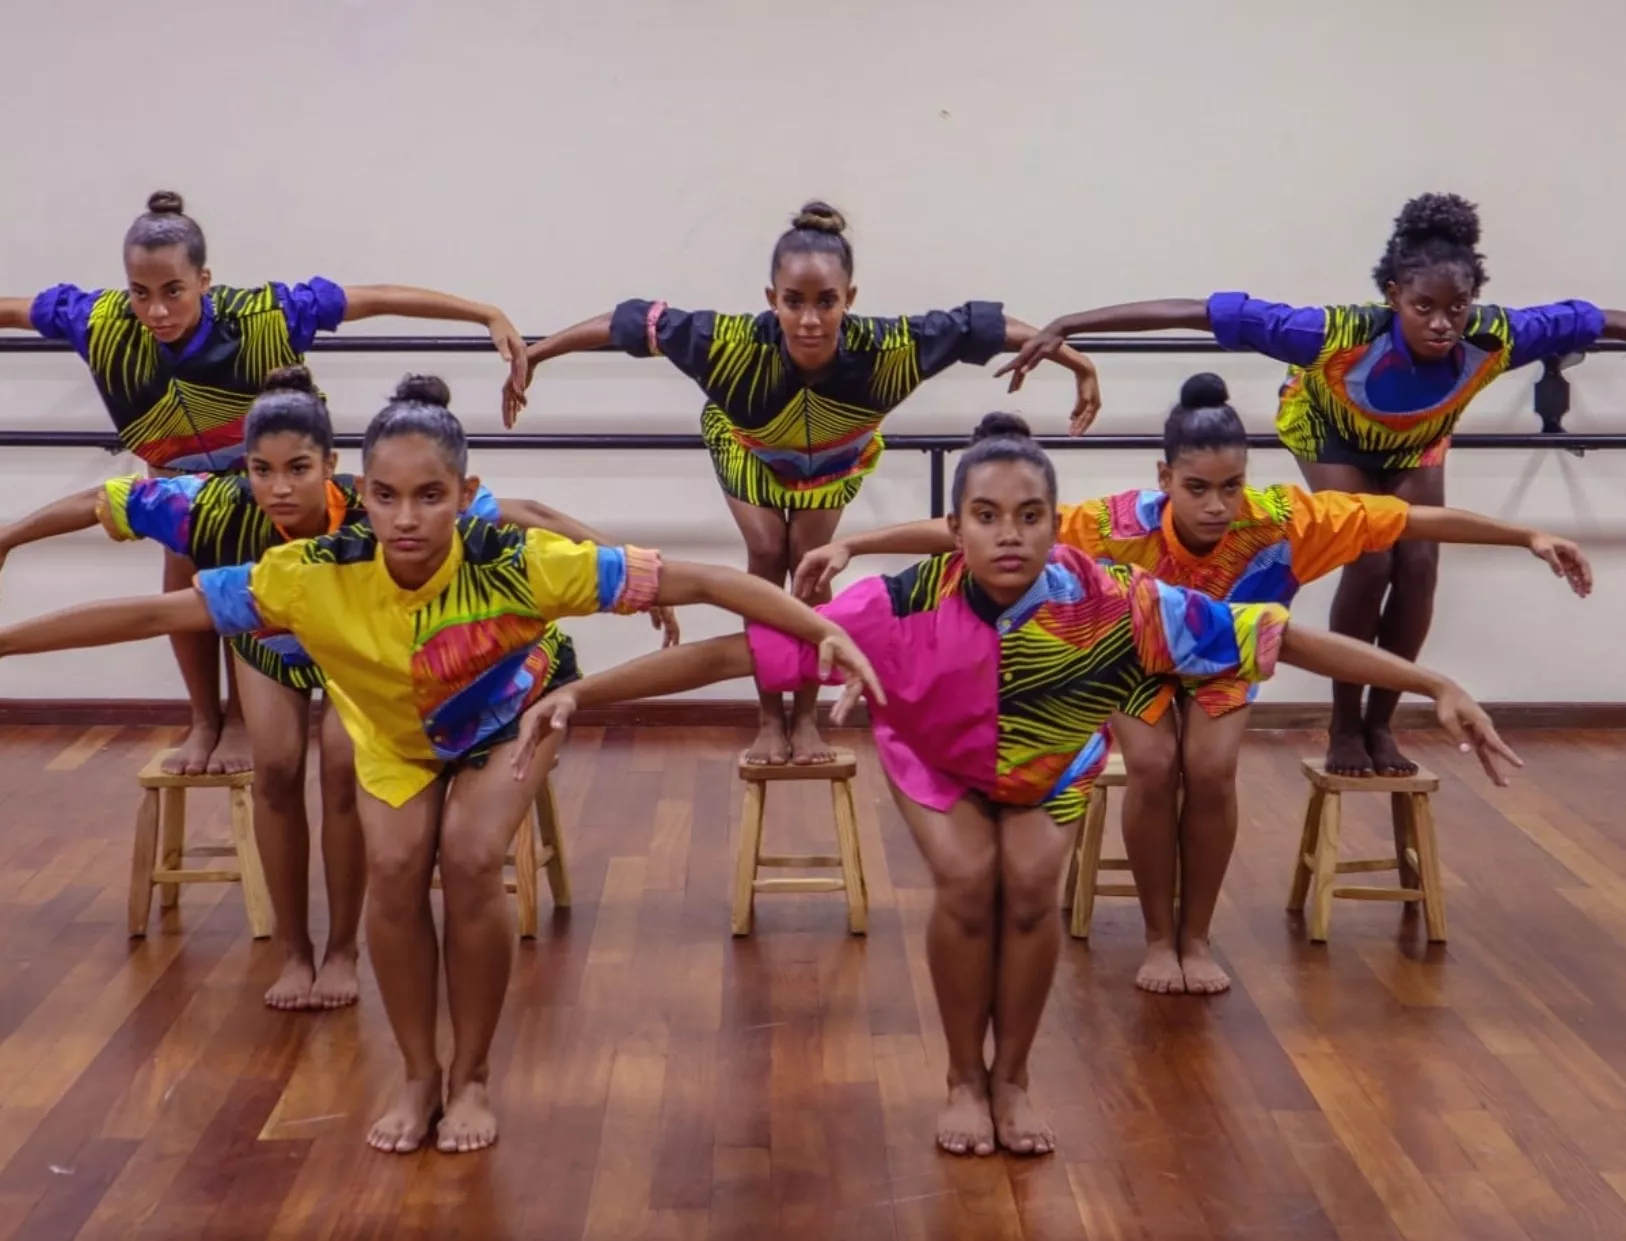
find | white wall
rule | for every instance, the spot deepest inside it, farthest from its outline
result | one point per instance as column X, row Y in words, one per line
column 1064, row 153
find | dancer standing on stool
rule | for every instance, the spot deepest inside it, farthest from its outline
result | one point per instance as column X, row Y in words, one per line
column 795, row 398
column 434, row 632
column 1002, row 662
column 288, row 492
column 1205, row 529
column 177, row 361
column 1369, row 405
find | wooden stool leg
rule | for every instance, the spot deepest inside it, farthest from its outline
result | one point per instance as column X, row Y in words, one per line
column 852, row 863
column 745, row 865
column 1428, row 864
column 1326, row 869
column 1070, row 883
column 171, row 842
column 143, row 858
column 1086, row 864
column 1309, row 842
column 256, row 896
column 1405, row 832
column 553, row 843
column 525, row 874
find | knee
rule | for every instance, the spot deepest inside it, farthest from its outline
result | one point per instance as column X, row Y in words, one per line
column 471, row 866
column 1372, row 571
column 279, row 778
column 1416, row 565
column 1030, row 889
column 397, row 884
column 967, row 888
column 1210, row 772
column 1155, row 761
column 767, row 561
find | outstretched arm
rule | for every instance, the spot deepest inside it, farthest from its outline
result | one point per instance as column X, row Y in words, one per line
column 685, row 582
column 1050, row 340
column 1614, row 325
column 819, row 567
column 14, row 313
column 75, row 512
column 1088, row 402
column 108, row 622
column 1450, row 525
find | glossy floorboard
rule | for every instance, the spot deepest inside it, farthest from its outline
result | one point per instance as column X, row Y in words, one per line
column 660, row 1080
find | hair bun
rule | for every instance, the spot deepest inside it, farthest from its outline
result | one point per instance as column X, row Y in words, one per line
column 820, row 217
column 1001, row 426
column 165, row 202
column 425, row 389
column 1204, row 391
column 290, row 379
column 1450, row 217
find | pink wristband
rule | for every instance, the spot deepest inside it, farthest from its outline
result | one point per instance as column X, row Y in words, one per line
column 652, row 327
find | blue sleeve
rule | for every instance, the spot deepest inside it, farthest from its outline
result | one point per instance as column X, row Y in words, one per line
column 484, row 506
column 973, row 333
column 646, row 329
column 230, row 599
column 317, row 306
column 1291, row 334
column 62, row 312
column 160, row 509
column 1552, row 330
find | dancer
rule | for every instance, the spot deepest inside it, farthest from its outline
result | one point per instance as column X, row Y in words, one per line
column 1371, row 398
column 433, row 632
column 795, row 398
column 1002, row 662
column 177, row 360
column 1205, row 529
column 289, row 492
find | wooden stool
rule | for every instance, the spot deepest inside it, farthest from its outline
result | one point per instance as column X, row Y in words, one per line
column 757, row 776
column 1416, row 857
column 538, row 843
column 1082, row 886
column 160, row 845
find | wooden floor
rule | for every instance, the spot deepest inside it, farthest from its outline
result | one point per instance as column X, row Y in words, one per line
column 660, row 1080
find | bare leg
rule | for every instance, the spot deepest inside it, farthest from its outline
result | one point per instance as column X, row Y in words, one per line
column 1209, row 751
column 767, row 555
column 1406, row 618
column 962, row 852
column 406, row 958
column 1032, row 853
column 278, row 723
column 483, row 810
column 1356, row 608
column 1151, row 828
column 809, row 528
column 198, row 656
column 344, row 863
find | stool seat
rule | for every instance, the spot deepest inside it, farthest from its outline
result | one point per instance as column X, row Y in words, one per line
column 160, row 847
column 839, row 772
column 1416, row 856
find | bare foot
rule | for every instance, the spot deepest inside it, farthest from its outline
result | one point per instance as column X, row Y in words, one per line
column 1021, row 1129
column 1347, row 755
column 770, row 747
column 1203, row 974
column 405, row 1123
column 1160, row 973
column 292, row 990
column 1387, row 760
column 807, row 746
column 231, row 752
column 469, row 1123
column 191, row 757
column 965, row 1126
column 336, row 983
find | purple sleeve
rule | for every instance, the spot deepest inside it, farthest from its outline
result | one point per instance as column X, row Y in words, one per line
column 646, row 329
column 1291, row 334
column 316, row 306
column 62, row 312
column 973, row 333
column 160, row 509
column 784, row 663
column 1552, row 330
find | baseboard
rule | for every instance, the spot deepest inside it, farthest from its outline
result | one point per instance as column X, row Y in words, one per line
column 741, row 713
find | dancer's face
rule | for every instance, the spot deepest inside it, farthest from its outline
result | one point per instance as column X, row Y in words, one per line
column 810, row 294
column 288, row 474
column 1005, row 527
column 1205, row 487
column 413, row 496
column 166, row 290
column 1432, row 306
